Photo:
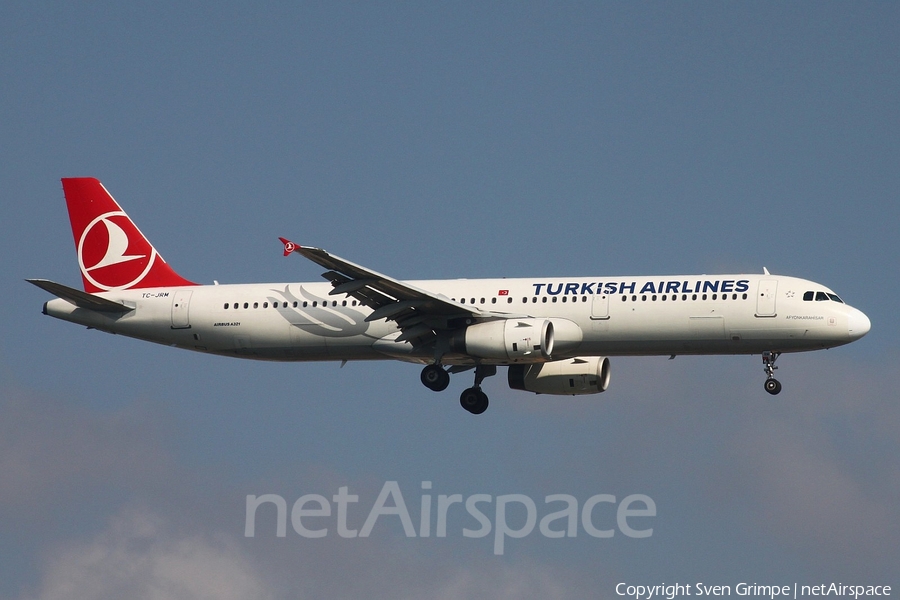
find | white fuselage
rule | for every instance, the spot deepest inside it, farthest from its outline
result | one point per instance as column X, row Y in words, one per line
column 666, row 315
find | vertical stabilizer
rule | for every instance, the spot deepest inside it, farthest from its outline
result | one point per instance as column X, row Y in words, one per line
column 113, row 254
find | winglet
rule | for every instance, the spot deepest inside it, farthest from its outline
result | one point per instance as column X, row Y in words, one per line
column 289, row 246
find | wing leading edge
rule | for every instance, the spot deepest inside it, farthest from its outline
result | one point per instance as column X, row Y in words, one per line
column 418, row 313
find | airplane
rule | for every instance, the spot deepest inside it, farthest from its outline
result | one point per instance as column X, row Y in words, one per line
column 554, row 334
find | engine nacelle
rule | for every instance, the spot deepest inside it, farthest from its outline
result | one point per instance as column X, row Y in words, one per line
column 570, row 377
column 514, row 340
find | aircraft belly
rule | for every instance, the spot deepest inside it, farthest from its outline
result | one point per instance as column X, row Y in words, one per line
column 659, row 332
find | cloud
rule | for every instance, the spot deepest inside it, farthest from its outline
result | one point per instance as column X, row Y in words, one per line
column 139, row 556
column 501, row 583
column 55, row 451
column 65, row 468
column 817, row 474
column 802, row 476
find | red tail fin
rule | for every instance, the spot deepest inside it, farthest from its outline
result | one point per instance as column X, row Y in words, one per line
column 113, row 254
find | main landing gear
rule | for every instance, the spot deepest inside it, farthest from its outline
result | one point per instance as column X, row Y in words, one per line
column 436, row 378
column 473, row 399
column 772, row 385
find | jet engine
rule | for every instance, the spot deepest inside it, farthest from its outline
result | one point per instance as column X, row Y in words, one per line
column 515, row 340
column 570, row 377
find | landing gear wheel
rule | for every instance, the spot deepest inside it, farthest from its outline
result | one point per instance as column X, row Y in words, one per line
column 772, row 385
column 435, row 378
column 474, row 400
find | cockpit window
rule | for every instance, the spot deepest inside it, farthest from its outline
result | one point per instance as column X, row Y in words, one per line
column 821, row 297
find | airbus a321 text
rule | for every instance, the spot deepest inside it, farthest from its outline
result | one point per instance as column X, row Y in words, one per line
column 554, row 335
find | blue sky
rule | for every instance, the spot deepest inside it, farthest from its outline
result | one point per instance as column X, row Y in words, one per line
column 431, row 141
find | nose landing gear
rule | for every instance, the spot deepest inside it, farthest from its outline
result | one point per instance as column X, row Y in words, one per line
column 772, row 385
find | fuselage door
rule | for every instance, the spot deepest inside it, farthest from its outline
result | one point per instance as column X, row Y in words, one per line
column 181, row 301
column 600, row 306
column 765, row 298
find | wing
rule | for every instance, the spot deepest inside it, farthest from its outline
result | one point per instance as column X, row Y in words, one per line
column 417, row 312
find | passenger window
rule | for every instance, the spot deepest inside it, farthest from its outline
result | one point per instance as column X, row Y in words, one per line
column 265, row 305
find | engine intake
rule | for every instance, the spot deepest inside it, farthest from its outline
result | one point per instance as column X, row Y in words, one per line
column 570, row 377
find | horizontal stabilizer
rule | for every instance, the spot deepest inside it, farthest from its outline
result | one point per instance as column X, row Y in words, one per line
column 79, row 298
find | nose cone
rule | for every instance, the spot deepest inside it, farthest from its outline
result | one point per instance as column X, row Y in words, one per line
column 858, row 324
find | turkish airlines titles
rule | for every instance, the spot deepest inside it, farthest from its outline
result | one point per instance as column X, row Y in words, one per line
column 649, row 287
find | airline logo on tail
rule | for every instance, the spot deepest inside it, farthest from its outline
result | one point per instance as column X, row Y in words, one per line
column 113, row 254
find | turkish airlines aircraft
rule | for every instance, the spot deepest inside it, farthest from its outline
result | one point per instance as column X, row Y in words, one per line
column 554, row 334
